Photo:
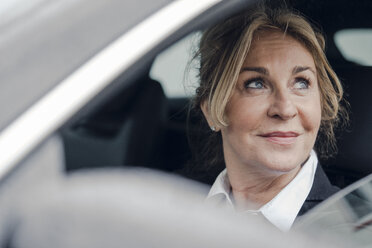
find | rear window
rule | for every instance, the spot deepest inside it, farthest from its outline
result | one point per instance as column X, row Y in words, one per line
column 355, row 45
column 174, row 70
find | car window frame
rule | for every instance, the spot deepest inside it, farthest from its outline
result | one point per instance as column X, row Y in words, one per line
column 200, row 16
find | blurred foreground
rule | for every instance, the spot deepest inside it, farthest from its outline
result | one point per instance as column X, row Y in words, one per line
column 41, row 206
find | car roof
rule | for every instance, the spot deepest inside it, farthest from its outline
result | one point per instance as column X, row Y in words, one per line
column 44, row 41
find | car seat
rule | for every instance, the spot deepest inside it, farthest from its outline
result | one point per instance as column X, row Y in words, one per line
column 125, row 131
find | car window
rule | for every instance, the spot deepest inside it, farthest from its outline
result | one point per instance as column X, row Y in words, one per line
column 174, row 68
column 354, row 45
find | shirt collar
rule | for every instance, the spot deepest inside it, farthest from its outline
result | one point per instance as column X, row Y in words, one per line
column 282, row 210
column 219, row 194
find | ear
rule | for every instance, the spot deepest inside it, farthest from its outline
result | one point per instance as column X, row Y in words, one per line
column 205, row 110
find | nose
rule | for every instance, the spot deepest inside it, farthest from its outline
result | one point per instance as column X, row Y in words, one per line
column 282, row 106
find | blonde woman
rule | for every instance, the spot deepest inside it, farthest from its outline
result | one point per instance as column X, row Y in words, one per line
column 271, row 101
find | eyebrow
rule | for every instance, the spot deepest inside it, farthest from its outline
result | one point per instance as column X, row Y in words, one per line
column 299, row 69
column 264, row 71
column 261, row 70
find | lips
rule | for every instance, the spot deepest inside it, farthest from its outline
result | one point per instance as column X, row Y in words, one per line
column 281, row 138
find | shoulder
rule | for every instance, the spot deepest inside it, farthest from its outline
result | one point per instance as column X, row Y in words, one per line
column 321, row 190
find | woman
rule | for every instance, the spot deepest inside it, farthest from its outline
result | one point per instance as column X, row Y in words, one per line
column 268, row 95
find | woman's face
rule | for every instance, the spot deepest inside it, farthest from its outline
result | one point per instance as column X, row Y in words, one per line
column 274, row 113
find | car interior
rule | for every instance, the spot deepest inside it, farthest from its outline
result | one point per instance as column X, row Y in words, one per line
column 141, row 126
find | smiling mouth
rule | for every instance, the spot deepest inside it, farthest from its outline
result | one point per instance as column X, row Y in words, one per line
column 281, row 138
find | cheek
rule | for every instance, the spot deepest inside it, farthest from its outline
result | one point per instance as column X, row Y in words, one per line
column 244, row 113
column 312, row 114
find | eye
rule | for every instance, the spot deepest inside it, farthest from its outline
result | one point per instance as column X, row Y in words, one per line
column 301, row 83
column 255, row 83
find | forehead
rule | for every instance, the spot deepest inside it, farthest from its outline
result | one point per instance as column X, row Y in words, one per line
column 272, row 36
column 269, row 43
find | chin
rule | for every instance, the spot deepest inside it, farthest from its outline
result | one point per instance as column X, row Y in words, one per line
column 281, row 164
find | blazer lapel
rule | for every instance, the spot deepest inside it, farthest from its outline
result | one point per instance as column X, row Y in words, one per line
column 321, row 190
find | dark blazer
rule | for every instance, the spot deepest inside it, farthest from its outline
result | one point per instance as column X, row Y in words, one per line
column 321, row 190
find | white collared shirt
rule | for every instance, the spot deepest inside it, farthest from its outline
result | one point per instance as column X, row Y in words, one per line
column 282, row 210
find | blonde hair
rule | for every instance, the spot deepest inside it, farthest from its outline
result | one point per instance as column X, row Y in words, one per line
column 222, row 52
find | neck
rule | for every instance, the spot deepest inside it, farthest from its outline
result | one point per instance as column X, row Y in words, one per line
column 253, row 188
